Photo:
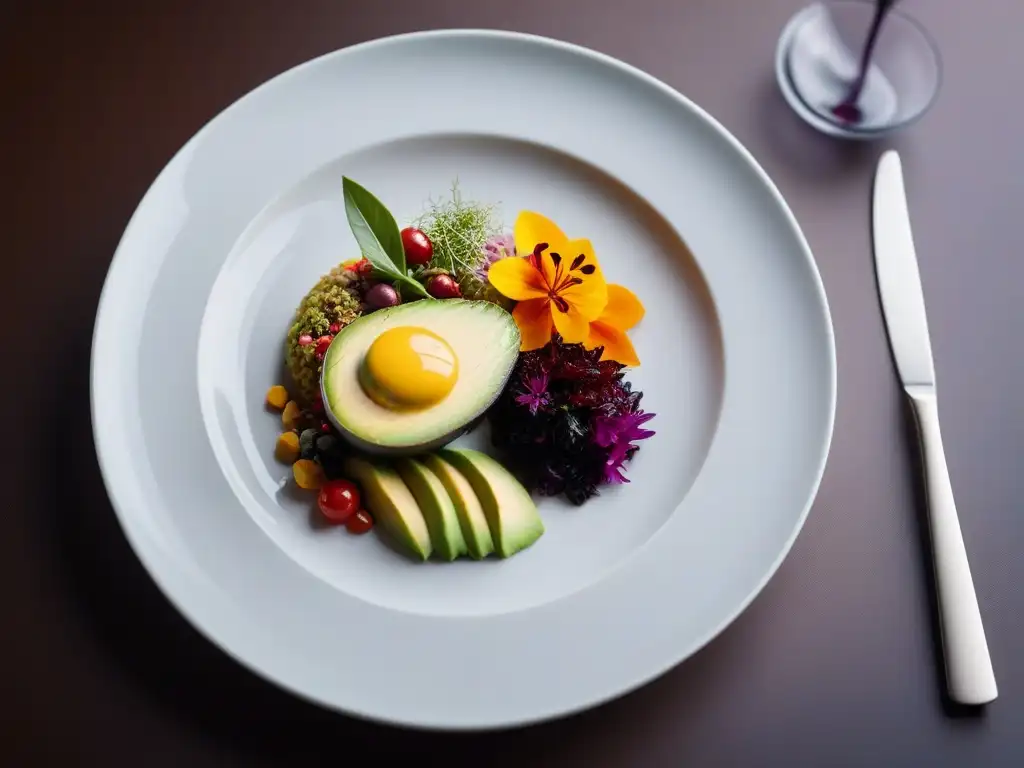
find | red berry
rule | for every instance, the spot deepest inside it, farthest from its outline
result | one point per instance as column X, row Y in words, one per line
column 335, row 327
column 322, row 344
column 338, row 500
column 325, row 427
column 443, row 287
column 418, row 248
column 360, row 522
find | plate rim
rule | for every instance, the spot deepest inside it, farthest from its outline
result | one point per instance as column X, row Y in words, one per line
column 104, row 450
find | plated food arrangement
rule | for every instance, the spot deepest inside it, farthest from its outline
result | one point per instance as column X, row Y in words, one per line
column 435, row 328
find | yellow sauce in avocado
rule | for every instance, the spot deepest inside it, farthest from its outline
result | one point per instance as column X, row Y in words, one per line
column 409, row 368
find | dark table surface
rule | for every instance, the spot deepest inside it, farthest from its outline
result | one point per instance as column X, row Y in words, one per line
column 833, row 665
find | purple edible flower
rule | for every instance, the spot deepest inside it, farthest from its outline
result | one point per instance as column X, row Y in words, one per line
column 496, row 248
column 618, row 433
column 536, row 395
column 621, row 430
column 613, row 465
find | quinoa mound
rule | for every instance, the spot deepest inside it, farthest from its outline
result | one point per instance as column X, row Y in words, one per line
column 335, row 299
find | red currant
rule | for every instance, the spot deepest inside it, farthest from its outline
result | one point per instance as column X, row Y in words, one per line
column 321, row 346
column 360, row 522
column 338, row 500
column 443, row 287
column 418, row 248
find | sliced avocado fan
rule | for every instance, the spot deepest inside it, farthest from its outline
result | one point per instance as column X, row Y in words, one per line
column 436, row 506
column 511, row 514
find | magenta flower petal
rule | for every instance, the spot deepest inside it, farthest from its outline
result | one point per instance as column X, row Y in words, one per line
column 613, row 466
column 619, row 434
column 604, row 433
column 536, row 395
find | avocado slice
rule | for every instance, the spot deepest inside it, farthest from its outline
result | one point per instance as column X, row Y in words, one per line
column 437, row 508
column 511, row 514
column 485, row 340
column 392, row 504
column 467, row 506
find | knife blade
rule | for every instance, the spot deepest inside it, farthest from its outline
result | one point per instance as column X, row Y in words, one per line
column 969, row 675
column 899, row 280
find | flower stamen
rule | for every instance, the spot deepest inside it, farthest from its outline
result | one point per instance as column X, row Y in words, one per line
column 534, row 257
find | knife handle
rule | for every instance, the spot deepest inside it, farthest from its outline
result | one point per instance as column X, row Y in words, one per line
column 969, row 675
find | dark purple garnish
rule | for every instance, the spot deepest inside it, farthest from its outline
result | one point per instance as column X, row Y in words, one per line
column 567, row 422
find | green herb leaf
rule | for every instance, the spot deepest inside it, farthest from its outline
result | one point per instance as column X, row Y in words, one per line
column 374, row 228
column 416, row 288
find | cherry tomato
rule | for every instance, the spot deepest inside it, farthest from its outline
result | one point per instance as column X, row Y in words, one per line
column 418, row 248
column 360, row 522
column 338, row 500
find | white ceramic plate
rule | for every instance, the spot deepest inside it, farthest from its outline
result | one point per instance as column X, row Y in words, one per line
column 738, row 363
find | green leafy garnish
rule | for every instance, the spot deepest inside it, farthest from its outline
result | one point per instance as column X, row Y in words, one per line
column 458, row 229
column 377, row 233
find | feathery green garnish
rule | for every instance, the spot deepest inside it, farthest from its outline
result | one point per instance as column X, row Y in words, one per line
column 458, row 229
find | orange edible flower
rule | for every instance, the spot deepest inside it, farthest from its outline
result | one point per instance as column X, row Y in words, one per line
column 621, row 313
column 558, row 284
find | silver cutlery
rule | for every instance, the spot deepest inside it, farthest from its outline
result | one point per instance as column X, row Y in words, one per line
column 969, row 675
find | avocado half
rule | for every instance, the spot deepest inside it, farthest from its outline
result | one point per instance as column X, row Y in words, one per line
column 486, row 342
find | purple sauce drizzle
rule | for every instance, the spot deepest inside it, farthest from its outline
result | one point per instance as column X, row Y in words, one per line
column 847, row 110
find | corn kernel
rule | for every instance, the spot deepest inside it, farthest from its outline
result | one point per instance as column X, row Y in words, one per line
column 291, row 415
column 277, row 397
column 308, row 474
column 287, row 448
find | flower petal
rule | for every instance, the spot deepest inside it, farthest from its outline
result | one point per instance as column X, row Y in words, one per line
column 616, row 343
column 534, row 320
column 517, row 279
column 572, row 326
column 581, row 258
column 586, row 292
column 532, row 228
column 623, row 309
column 589, row 298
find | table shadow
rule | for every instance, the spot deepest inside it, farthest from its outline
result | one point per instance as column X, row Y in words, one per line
column 816, row 157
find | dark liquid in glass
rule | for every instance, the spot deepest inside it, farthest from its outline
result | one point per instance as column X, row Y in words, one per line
column 847, row 110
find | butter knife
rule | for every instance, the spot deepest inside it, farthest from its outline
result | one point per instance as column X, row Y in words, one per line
column 969, row 676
